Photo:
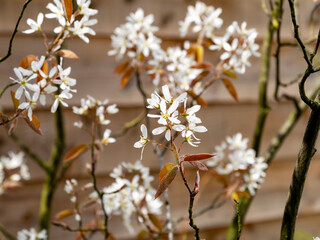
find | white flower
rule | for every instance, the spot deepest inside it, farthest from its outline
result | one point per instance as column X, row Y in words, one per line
column 154, row 101
column 82, row 27
column 112, row 109
column 24, row 76
column 236, row 142
column 143, row 139
column 106, row 137
column 57, row 12
column 65, row 81
column 160, row 130
column 31, row 234
column 203, row 18
column 30, row 104
column 169, row 114
column 34, row 26
column 65, row 94
column 83, row 6
column 78, row 124
column 14, row 160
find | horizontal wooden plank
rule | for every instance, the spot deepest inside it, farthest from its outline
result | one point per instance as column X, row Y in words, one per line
column 267, row 208
column 167, row 14
column 221, row 121
column 95, row 75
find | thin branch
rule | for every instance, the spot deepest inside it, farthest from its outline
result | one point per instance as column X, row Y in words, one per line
column 31, row 154
column 128, row 125
column 5, row 233
column 297, row 34
column 82, row 230
column 158, row 153
column 94, row 179
column 278, row 14
column 5, row 88
column 315, row 48
column 15, row 31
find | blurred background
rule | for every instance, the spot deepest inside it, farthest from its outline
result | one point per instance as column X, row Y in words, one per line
column 94, row 71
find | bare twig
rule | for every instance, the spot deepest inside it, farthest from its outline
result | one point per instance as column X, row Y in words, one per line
column 15, row 31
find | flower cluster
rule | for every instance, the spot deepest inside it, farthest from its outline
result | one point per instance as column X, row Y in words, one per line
column 97, row 110
column 32, row 234
column 238, row 45
column 203, row 18
column 34, row 79
column 235, row 164
column 71, row 27
column 12, row 170
column 175, row 68
column 36, row 83
column 136, row 38
column 131, row 193
column 168, row 118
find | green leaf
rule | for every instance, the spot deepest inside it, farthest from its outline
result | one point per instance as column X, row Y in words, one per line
column 75, row 152
column 167, row 174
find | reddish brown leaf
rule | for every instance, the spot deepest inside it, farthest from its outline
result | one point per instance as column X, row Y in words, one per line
column 171, row 171
column 199, row 100
column 34, row 124
column 26, row 62
column 15, row 101
column 155, row 221
column 126, row 76
column 63, row 214
column 199, row 165
column 68, row 8
column 44, row 69
column 199, row 78
column 165, row 170
column 202, row 65
column 121, row 67
column 67, row 54
column 230, row 88
column 230, row 74
column 111, row 237
column 196, row 157
column 75, row 152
